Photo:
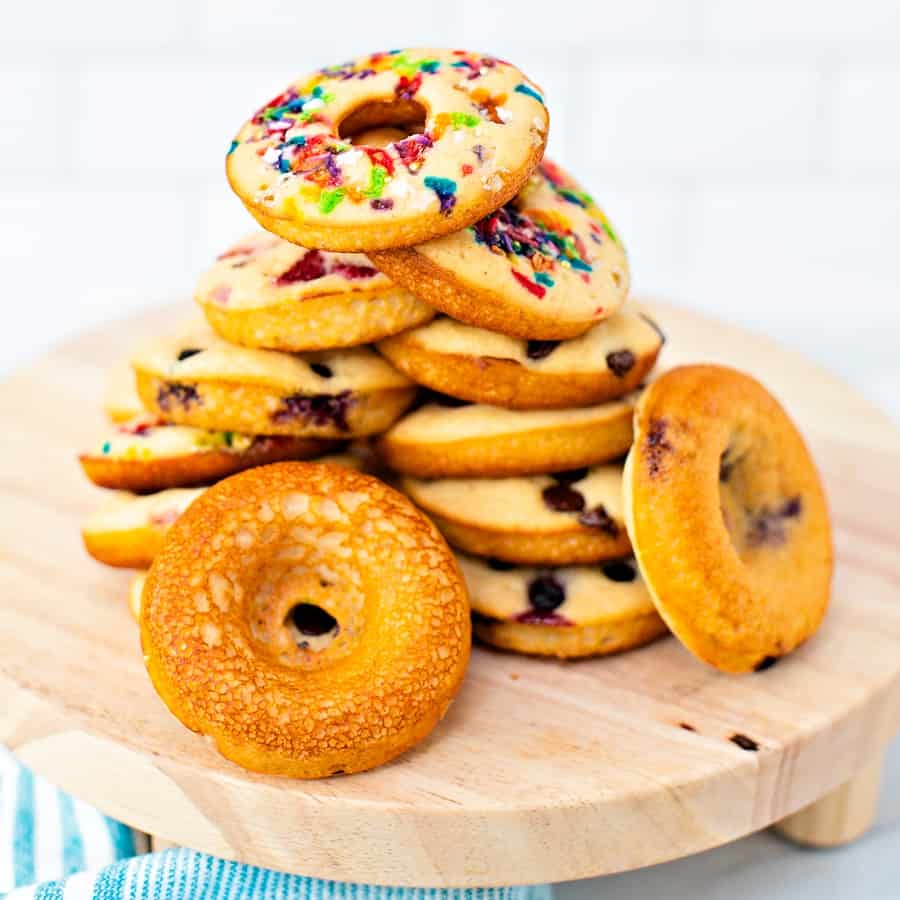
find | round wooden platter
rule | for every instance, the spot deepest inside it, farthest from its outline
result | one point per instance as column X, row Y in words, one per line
column 542, row 771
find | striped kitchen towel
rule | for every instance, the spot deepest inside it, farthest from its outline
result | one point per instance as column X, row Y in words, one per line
column 53, row 847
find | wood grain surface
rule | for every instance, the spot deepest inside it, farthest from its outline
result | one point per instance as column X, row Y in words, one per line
column 542, row 771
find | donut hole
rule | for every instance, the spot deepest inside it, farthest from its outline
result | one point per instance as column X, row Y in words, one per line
column 407, row 117
column 758, row 509
column 311, row 626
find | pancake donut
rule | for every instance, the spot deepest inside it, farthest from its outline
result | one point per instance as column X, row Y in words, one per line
column 546, row 266
column 202, row 380
column 543, row 520
column 452, row 439
column 147, row 455
column 607, row 362
column 128, row 531
column 477, row 128
column 728, row 518
column 570, row 612
column 308, row 619
column 265, row 292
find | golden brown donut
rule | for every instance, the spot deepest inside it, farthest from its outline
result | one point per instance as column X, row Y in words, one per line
column 569, row 612
column 127, row 531
column 197, row 378
column 476, row 130
column 266, row 292
column 444, row 440
column 547, row 265
column 145, row 455
column 728, row 518
column 308, row 619
column 610, row 360
column 542, row 520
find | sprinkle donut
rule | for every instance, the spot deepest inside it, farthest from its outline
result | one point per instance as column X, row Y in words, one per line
column 266, row 292
column 571, row 612
column 199, row 379
column 477, row 129
column 606, row 363
column 728, row 518
column 448, row 438
column 547, row 265
column 306, row 618
column 146, row 454
column 544, row 520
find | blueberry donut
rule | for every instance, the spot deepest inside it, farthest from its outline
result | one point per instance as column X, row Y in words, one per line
column 728, row 518
column 543, row 520
column 266, row 292
column 449, row 438
column 307, row 619
column 569, row 612
column 476, row 130
column 546, row 266
column 128, row 531
column 605, row 363
column 146, row 454
column 204, row 381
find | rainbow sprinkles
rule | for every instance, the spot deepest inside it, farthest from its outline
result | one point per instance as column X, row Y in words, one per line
column 485, row 126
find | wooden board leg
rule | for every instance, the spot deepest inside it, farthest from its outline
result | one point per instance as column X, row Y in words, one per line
column 839, row 817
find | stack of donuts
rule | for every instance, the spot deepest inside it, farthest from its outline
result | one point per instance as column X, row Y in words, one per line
column 489, row 301
column 432, row 300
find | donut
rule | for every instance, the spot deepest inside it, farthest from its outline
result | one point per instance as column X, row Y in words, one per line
column 607, row 362
column 202, row 380
column 543, row 520
column 128, row 531
column 306, row 618
column 476, row 130
column 569, row 612
column 443, row 439
column 146, row 454
column 266, row 292
column 121, row 402
column 135, row 593
column 728, row 518
column 545, row 266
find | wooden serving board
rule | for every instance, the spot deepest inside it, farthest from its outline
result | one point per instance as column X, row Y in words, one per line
column 542, row 771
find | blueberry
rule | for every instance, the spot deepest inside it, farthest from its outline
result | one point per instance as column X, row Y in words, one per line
column 620, row 362
column 621, row 571
column 187, row 353
column 570, row 476
column 540, row 349
column 321, row 370
column 562, row 498
column 600, row 519
column 500, row 565
column 546, row 593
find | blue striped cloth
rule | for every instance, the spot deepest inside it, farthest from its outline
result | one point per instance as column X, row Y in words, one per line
column 54, row 847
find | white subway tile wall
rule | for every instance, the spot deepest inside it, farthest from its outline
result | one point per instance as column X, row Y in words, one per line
column 748, row 150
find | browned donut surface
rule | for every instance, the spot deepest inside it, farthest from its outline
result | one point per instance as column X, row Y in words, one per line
column 727, row 517
column 308, row 619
